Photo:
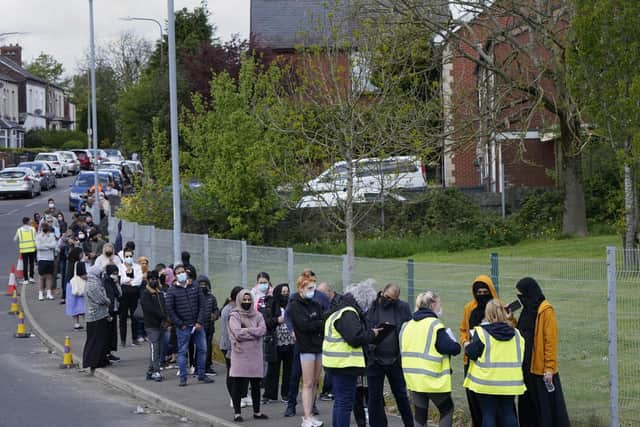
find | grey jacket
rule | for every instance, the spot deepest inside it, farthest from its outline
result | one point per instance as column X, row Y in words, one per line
column 225, row 342
column 46, row 244
column 96, row 300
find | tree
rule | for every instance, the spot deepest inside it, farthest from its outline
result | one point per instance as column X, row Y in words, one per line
column 46, row 67
column 128, row 57
column 605, row 64
column 519, row 48
column 344, row 97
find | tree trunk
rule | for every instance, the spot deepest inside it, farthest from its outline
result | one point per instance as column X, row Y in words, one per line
column 574, row 219
column 630, row 208
column 348, row 217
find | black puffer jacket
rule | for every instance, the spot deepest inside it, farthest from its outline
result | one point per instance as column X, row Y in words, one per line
column 387, row 351
column 186, row 306
column 308, row 324
column 153, row 307
column 212, row 312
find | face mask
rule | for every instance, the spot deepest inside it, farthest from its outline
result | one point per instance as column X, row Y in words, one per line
column 483, row 299
column 51, row 205
column 182, row 277
column 128, row 260
column 263, row 287
column 83, row 209
column 284, row 300
column 108, row 253
column 205, row 290
column 309, row 294
column 81, row 236
column 439, row 313
column 245, row 305
column 386, row 302
column 114, row 277
column 154, row 284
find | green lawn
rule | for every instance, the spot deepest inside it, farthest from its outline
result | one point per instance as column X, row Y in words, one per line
column 592, row 247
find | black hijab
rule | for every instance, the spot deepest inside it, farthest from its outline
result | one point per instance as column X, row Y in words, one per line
column 477, row 314
column 279, row 301
column 531, row 297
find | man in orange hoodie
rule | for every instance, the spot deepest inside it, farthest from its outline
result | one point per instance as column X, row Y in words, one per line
column 482, row 291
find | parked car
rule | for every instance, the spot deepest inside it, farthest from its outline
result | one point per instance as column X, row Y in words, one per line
column 84, row 157
column 114, row 155
column 19, row 181
column 44, row 171
column 332, row 199
column 83, row 182
column 55, row 161
column 116, row 175
column 71, row 160
column 135, row 166
column 98, row 156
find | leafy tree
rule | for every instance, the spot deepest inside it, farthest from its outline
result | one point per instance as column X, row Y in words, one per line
column 46, row 67
column 605, row 64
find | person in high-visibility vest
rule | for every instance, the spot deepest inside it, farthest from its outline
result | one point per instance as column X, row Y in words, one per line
column 426, row 347
column 26, row 238
column 495, row 353
column 345, row 333
column 543, row 403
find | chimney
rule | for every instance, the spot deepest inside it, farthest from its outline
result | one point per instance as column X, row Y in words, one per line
column 13, row 52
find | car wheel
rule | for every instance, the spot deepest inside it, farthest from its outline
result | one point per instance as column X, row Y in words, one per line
column 32, row 193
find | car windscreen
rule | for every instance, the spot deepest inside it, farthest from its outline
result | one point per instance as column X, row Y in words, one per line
column 11, row 174
column 89, row 179
column 33, row 166
column 47, row 157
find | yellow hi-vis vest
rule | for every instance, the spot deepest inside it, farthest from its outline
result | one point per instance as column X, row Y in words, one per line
column 425, row 370
column 499, row 369
column 26, row 240
column 336, row 352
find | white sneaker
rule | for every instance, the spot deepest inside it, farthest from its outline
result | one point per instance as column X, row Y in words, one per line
column 49, row 296
column 32, row 280
column 24, row 282
column 192, row 370
column 316, row 422
column 40, row 296
column 311, row 422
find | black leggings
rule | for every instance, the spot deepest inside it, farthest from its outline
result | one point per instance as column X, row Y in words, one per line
column 442, row 401
column 238, row 387
column 29, row 259
column 229, row 380
column 128, row 305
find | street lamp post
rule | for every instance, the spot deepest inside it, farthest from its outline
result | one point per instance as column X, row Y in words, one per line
column 94, row 115
column 137, row 18
column 175, row 160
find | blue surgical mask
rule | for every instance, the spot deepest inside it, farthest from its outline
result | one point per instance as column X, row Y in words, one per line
column 128, row 260
column 182, row 277
column 310, row 294
column 263, row 287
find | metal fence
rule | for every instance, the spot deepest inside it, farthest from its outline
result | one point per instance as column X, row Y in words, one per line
column 577, row 288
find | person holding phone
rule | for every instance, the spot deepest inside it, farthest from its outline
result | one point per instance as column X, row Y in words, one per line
column 426, row 347
column 495, row 373
column 543, row 403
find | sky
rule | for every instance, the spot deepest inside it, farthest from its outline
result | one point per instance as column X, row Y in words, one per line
column 61, row 28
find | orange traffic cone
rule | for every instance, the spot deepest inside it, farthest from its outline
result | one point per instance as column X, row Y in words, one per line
column 11, row 287
column 21, row 330
column 13, row 308
column 20, row 268
column 67, row 360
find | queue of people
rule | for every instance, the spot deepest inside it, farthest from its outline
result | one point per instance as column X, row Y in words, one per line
column 276, row 337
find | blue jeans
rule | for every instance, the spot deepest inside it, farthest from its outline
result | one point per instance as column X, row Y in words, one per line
column 497, row 410
column 184, row 337
column 344, row 391
column 375, row 380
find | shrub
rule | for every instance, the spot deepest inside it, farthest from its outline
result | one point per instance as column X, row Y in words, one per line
column 540, row 214
column 73, row 144
column 51, row 139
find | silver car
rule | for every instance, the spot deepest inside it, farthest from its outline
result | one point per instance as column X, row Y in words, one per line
column 19, row 181
column 71, row 160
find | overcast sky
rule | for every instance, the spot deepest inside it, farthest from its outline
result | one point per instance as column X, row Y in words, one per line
column 61, row 28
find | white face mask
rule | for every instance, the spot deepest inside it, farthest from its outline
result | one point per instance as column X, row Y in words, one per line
column 439, row 313
column 128, row 260
column 52, row 205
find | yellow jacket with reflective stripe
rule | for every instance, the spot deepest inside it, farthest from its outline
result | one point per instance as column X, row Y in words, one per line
column 425, row 370
column 498, row 370
column 336, row 352
column 26, row 240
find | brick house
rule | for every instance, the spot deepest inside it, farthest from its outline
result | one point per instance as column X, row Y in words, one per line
column 490, row 125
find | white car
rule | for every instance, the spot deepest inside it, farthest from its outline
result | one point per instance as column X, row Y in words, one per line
column 21, row 181
column 54, row 160
column 113, row 155
column 333, row 199
column 71, row 161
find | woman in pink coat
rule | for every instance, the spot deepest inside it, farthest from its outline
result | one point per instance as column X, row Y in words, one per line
column 246, row 331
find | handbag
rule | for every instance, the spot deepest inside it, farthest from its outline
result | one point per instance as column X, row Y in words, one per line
column 270, row 348
column 78, row 284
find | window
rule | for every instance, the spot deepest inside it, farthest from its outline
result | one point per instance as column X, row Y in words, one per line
column 361, row 74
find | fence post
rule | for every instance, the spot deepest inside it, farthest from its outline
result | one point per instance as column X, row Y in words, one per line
column 290, row 259
column 495, row 272
column 346, row 276
column 244, row 263
column 410, row 284
column 154, row 252
column 613, row 337
column 205, row 246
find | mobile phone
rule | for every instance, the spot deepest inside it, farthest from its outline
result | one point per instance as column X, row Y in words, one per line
column 513, row 306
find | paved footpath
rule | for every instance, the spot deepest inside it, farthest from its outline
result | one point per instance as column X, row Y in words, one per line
column 203, row 404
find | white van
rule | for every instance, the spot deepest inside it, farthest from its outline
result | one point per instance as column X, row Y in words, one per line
column 371, row 176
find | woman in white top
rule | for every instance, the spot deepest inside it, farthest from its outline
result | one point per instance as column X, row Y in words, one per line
column 130, row 279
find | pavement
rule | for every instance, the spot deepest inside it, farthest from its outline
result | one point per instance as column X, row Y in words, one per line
column 202, row 404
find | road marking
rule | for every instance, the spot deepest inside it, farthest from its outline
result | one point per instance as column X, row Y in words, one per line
column 11, row 212
column 33, row 203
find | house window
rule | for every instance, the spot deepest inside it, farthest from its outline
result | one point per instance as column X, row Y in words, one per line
column 3, row 138
column 361, row 74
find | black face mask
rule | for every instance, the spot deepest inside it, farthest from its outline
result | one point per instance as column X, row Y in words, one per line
column 245, row 305
column 386, row 302
column 205, row 290
column 108, row 253
column 284, row 300
column 483, row 299
column 154, row 284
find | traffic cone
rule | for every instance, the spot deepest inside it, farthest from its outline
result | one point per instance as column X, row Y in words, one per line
column 20, row 268
column 67, row 360
column 11, row 287
column 13, row 308
column 21, row 330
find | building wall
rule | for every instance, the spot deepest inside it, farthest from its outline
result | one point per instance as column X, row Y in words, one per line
column 9, row 101
column 36, row 98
